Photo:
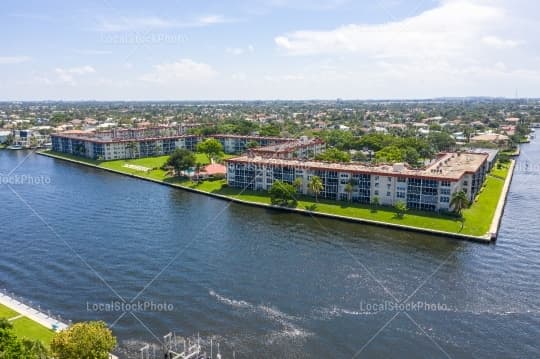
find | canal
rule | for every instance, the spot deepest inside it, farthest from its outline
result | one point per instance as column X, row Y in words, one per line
column 148, row 259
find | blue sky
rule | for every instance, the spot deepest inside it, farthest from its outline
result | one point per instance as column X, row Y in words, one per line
column 268, row 49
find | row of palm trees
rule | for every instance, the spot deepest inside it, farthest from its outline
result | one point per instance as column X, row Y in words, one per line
column 315, row 185
column 458, row 203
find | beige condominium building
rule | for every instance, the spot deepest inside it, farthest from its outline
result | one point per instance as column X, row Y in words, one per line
column 429, row 189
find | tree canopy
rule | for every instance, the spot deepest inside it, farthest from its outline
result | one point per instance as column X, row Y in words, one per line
column 283, row 194
column 181, row 160
column 12, row 347
column 211, row 147
column 89, row 340
column 334, row 155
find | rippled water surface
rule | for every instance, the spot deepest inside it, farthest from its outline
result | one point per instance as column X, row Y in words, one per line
column 265, row 283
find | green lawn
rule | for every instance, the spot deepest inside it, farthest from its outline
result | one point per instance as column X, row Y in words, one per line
column 26, row 328
column 6, row 312
column 476, row 220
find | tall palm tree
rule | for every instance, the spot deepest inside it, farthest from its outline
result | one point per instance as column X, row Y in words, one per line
column 198, row 167
column 349, row 189
column 315, row 185
column 459, row 201
column 297, row 184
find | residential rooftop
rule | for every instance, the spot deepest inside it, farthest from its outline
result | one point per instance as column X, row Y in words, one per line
column 447, row 166
column 288, row 147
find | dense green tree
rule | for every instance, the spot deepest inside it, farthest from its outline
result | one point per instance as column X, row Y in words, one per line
column 334, row 155
column 376, row 141
column 441, row 141
column 359, row 156
column 211, row 147
column 89, row 340
column 390, row 154
column 12, row 347
column 342, row 140
column 270, row 131
column 282, row 194
column 411, row 156
column 181, row 160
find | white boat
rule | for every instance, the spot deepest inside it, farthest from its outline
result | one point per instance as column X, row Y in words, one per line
column 15, row 147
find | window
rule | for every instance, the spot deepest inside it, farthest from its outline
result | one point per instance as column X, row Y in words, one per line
column 400, row 195
column 445, row 199
column 445, row 183
column 465, row 183
column 388, row 194
column 389, row 179
column 402, row 180
column 445, row 191
column 376, row 193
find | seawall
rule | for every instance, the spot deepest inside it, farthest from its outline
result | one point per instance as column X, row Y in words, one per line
column 488, row 238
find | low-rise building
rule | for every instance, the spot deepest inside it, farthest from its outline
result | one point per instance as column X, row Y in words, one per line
column 428, row 189
column 237, row 144
column 114, row 148
column 495, row 138
column 299, row 149
column 145, row 142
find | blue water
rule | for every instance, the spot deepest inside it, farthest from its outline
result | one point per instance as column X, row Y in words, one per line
column 265, row 283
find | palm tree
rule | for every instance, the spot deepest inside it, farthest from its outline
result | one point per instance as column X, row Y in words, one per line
column 315, row 185
column 349, row 189
column 401, row 208
column 297, row 183
column 459, row 201
column 198, row 167
column 131, row 147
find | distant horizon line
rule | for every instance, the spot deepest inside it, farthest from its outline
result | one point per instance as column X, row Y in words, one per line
column 286, row 100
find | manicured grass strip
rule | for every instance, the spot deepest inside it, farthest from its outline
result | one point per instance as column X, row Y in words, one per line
column 478, row 218
column 26, row 328
column 6, row 312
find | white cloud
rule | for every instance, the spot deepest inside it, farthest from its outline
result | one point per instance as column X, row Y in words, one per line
column 235, row 51
column 93, row 52
column 500, row 43
column 12, row 60
column 211, row 20
column 182, row 70
column 445, row 29
column 312, row 5
column 240, row 50
column 69, row 74
column 125, row 23
column 283, row 78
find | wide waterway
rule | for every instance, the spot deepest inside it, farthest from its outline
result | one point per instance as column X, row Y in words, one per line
column 263, row 283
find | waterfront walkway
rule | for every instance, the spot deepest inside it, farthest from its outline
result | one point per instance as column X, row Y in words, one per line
column 33, row 314
column 497, row 218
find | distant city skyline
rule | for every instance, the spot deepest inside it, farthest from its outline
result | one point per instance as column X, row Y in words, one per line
column 268, row 49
